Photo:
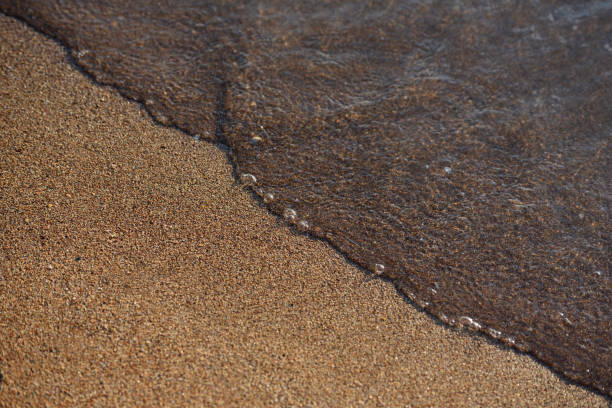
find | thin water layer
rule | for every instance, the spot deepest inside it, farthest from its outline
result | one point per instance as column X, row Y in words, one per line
column 460, row 149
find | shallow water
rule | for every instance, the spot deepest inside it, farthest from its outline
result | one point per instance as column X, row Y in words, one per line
column 460, row 149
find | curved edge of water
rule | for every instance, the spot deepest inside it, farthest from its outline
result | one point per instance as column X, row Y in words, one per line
column 464, row 324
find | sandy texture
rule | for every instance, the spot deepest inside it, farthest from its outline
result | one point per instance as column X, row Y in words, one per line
column 135, row 272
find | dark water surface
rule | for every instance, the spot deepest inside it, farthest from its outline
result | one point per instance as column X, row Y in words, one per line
column 462, row 149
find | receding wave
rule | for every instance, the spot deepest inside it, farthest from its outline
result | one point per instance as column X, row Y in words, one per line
column 461, row 149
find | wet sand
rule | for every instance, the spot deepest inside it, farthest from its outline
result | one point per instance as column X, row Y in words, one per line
column 134, row 271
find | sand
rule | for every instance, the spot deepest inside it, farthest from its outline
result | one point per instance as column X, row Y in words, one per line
column 135, row 271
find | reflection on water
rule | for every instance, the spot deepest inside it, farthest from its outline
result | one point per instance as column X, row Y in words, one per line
column 460, row 149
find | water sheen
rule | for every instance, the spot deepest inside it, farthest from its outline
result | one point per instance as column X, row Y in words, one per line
column 461, row 149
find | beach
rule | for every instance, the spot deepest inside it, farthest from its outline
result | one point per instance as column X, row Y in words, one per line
column 136, row 271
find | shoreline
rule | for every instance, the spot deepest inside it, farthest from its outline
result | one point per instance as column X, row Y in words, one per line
column 136, row 272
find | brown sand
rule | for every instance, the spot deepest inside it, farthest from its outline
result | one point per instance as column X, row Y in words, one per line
column 135, row 272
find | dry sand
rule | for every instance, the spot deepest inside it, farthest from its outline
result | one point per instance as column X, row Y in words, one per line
column 135, row 272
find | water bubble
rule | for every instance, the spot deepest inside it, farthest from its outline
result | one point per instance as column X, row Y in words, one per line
column 149, row 101
column 379, row 269
column 268, row 198
column 470, row 322
column 496, row 334
column 422, row 304
column 581, row 216
column 255, row 140
column 448, row 170
column 568, row 321
column 248, row 178
column 289, row 214
column 303, row 225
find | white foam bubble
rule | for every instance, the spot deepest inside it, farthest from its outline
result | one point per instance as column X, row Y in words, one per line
column 568, row 321
column 496, row 334
column 422, row 304
column 379, row 269
column 289, row 214
column 248, row 178
column 268, row 198
column 448, row 170
column 470, row 322
column 303, row 224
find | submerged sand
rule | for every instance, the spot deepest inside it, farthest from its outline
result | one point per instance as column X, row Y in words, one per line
column 134, row 271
